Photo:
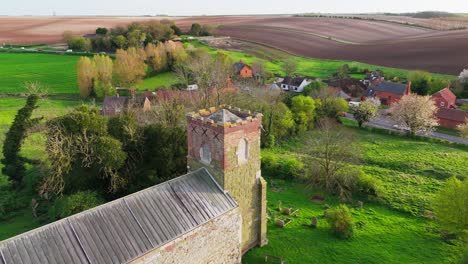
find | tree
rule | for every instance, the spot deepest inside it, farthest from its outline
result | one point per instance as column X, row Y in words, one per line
column 463, row 128
column 129, row 66
column 12, row 161
column 340, row 221
column 289, row 67
column 120, row 41
column 415, row 112
column 176, row 30
column 463, row 77
column 258, row 68
column 207, row 30
column 313, row 86
column 75, row 203
column 342, row 72
column 195, row 30
column 364, row 112
column 277, row 122
column 333, row 149
column 303, row 110
column 420, row 82
column 82, row 155
column 86, row 73
column 101, row 31
column 450, row 206
column 103, row 79
column 79, row 43
column 136, row 38
column 332, row 107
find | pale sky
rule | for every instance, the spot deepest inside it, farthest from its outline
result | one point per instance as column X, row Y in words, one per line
column 222, row 7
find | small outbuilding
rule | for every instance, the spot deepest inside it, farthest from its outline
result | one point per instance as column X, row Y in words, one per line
column 389, row 92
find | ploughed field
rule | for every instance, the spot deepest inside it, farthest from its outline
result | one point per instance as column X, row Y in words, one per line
column 376, row 42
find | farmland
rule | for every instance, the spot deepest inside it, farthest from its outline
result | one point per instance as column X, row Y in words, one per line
column 375, row 42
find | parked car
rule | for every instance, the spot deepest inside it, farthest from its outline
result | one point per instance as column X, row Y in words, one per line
column 69, row 50
column 353, row 104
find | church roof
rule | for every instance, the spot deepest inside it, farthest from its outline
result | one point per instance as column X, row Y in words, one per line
column 224, row 116
column 126, row 228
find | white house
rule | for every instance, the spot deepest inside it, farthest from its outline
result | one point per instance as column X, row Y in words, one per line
column 295, row 84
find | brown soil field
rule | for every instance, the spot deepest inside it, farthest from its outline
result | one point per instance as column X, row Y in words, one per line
column 375, row 42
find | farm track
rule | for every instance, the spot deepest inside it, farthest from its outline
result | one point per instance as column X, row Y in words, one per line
column 375, row 42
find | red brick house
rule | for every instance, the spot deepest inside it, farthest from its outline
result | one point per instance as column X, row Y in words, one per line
column 389, row 92
column 243, row 70
column 445, row 98
column 451, row 118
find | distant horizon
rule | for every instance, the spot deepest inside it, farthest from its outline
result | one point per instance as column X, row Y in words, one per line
column 233, row 14
column 220, row 8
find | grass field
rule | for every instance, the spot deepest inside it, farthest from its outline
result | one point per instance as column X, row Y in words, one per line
column 165, row 79
column 56, row 72
column 410, row 171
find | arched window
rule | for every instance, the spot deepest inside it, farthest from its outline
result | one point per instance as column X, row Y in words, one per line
column 205, row 153
column 242, row 151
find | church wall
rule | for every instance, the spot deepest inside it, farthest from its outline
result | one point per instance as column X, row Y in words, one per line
column 217, row 241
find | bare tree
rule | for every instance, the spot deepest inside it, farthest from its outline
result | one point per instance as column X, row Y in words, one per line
column 415, row 112
column 333, row 150
column 289, row 67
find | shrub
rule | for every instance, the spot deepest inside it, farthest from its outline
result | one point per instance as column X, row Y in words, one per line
column 340, row 221
column 281, row 167
column 75, row 203
column 369, row 185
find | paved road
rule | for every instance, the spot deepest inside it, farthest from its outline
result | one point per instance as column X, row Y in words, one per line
column 384, row 122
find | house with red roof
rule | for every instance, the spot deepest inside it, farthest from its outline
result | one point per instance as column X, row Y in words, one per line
column 445, row 98
column 451, row 118
column 389, row 92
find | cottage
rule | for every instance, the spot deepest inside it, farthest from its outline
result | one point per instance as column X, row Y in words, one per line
column 451, row 118
column 243, row 70
column 114, row 105
column 389, row 92
column 213, row 214
column 445, row 98
column 295, row 84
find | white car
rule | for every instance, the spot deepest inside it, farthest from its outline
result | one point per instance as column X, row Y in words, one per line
column 353, row 104
column 69, row 50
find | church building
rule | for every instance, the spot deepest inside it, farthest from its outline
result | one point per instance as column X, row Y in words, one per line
column 212, row 214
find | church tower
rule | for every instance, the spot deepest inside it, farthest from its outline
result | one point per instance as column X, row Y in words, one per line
column 226, row 141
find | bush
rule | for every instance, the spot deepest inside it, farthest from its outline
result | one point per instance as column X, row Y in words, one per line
column 369, row 185
column 340, row 221
column 75, row 203
column 281, row 167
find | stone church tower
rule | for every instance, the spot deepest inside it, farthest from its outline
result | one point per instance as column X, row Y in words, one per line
column 226, row 141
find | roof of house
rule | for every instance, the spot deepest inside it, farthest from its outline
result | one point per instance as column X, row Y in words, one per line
column 344, row 95
column 294, row 81
column 447, row 94
column 124, row 229
column 113, row 102
column 390, row 87
column 239, row 65
column 452, row 114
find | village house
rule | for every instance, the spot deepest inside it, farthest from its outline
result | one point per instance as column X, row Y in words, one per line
column 389, row 92
column 116, row 105
column 295, row 84
column 243, row 70
column 451, row 118
column 445, row 98
column 213, row 214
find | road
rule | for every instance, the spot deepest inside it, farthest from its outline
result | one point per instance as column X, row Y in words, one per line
column 384, row 122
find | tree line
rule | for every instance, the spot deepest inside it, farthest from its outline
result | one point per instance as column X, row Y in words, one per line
column 135, row 35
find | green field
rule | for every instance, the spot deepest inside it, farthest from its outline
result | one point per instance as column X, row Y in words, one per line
column 395, row 230
column 56, row 72
column 165, row 79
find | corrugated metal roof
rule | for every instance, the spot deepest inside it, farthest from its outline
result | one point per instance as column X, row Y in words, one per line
column 126, row 228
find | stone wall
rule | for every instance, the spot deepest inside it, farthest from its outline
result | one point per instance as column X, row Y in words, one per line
column 217, row 241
